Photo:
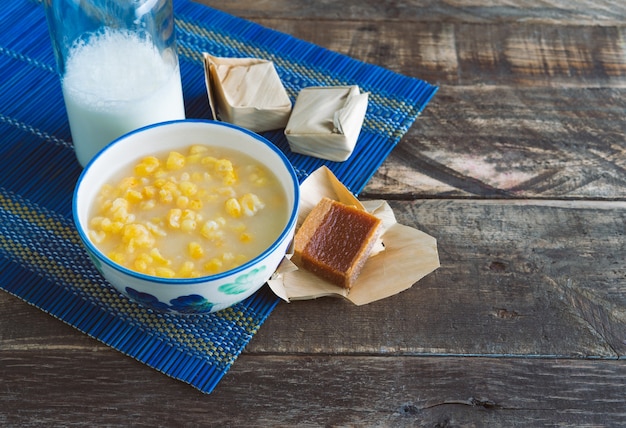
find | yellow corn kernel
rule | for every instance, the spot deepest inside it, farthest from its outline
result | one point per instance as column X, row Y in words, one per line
column 155, row 229
column 160, row 173
column 112, row 226
column 164, row 272
column 258, row 176
column 133, row 195
column 128, row 183
column 118, row 204
column 106, row 224
column 246, row 237
column 175, row 161
column 96, row 222
column 197, row 149
column 190, row 214
column 223, row 166
column 214, row 265
column 116, row 256
column 165, row 196
column 194, row 159
column 195, row 204
column 208, row 229
column 147, row 205
column 230, row 178
column 173, row 218
column 187, row 270
column 149, row 191
column 147, row 166
column 196, row 177
column 172, row 187
column 195, row 250
column 182, row 202
column 209, row 161
column 108, row 191
column 233, row 207
column 188, row 220
column 143, row 262
column 119, row 209
column 188, row 188
column 158, row 258
column 188, row 225
column 97, row 237
column 104, row 205
column 137, row 234
column 250, row 204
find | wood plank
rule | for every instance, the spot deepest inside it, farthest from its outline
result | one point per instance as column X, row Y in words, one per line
column 508, row 142
column 588, row 12
column 445, row 53
column 527, row 278
column 57, row 388
column 549, row 43
column 517, row 278
column 513, row 117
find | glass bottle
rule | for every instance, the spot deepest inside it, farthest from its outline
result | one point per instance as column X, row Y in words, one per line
column 118, row 67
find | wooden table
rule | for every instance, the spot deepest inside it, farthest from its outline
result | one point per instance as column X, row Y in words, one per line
column 517, row 167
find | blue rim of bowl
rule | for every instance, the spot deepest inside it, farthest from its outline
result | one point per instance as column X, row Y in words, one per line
column 190, row 281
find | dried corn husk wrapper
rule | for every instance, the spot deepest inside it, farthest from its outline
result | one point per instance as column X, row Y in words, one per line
column 247, row 92
column 405, row 256
column 326, row 121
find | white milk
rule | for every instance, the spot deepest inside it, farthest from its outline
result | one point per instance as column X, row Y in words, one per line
column 114, row 84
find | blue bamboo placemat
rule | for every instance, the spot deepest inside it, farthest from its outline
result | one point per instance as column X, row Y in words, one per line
column 41, row 258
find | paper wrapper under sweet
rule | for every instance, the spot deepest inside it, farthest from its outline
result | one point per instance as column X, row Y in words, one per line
column 247, row 92
column 404, row 257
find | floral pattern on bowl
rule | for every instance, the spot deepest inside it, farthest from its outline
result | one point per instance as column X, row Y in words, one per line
column 147, row 299
column 195, row 303
column 192, row 304
column 242, row 283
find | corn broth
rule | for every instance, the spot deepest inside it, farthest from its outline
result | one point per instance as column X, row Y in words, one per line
column 189, row 213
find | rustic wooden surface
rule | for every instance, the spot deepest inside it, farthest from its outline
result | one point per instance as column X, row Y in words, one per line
column 517, row 167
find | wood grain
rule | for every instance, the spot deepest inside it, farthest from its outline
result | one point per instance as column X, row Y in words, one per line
column 503, row 142
column 517, row 167
column 584, row 12
column 515, row 92
column 56, row 388
column 506, row 286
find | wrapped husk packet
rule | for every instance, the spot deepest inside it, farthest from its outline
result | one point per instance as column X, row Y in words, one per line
column 326, row 121
column 403, row 257
column 246, row 92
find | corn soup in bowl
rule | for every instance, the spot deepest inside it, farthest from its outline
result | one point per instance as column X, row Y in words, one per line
column 188, row 216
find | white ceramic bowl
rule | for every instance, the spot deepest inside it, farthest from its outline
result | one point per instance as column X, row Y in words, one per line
column 189, row 295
